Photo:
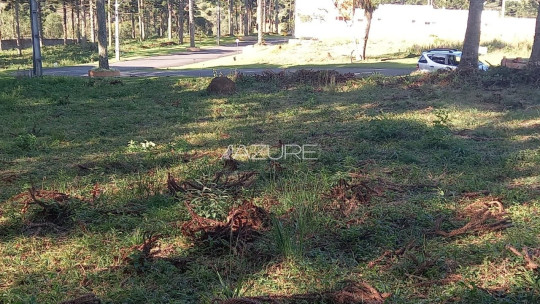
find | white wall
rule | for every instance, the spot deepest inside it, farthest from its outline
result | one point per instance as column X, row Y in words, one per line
column 405, row 23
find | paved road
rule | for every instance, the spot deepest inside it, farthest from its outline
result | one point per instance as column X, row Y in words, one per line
column 157, row 65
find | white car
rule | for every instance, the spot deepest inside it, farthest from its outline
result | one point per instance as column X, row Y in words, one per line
column 442, row 59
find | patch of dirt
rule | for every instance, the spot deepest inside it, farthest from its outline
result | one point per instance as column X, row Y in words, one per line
column 485, row 215
column 221, row 85
column 354, row 292
column 243, row 224
column 84, row 299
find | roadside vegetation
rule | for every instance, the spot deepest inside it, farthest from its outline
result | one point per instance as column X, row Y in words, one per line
column 75, row 54
column 425, row 189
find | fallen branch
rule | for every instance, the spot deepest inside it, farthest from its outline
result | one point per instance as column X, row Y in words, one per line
column 484, row 217
column 526, row 255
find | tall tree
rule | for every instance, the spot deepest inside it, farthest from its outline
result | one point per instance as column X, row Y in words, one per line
column 78, row 10
column 469, row 58
column 276, row 16
column 181, row 11
column 191, row 24
column 83, row 23
column 72, row 21
column 102, row 34
column 260, row 21
column 92, row 20
column 1, row 23
column 64, row 21
column 17, row 27
column 346, row 9
column 231, row 24
column 247, row 21
column 369, row 7
column 109, row 24
column 535, row 54
column 40, row 23
column 141, row 19
column 169, row 19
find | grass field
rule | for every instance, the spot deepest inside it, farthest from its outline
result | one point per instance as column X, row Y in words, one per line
column 402, row 164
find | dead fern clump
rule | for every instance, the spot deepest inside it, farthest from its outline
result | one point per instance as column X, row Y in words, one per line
column 142, row 255
column 53, row 209
column 347, row 197
column 352, row 293
column 243, row 224
column 317, row 78
column 385, row 260
column 222, row 181
column 484, row 215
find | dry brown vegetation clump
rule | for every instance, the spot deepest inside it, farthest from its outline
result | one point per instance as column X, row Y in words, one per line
column 353, row 293
column 53, row 213
column 242, row 225
column 222, row 180
column 149, row 251
column 348, row 196
column 484, row 215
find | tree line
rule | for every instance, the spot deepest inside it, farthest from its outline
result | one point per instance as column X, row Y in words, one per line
column 142, row 19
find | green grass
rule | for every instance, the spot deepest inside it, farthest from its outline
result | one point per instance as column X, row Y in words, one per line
column 75, row 54
column 421, row 141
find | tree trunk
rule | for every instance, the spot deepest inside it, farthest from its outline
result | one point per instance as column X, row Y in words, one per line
column 291, row 10
column 276, row 19
column 78, row 9
column 102, row 34
column 40, row 23
column 260, row 23
column 369, row 17
column 191, row 24
column 169, row 20
column 247, row 23
column 469, row 58
column 92, row 21
column 1, row 24
column 109, row 24
column 64, row 21
column 231, row 22
column 181, row 9
column 133, row 35
column 83, row 24
column 236, row 19
column 141, row 19
column 17, row 26
column 535, row 54
column 72, row 22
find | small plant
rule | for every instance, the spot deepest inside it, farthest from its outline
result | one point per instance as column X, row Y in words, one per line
column 26, row 142
column 228, row 291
